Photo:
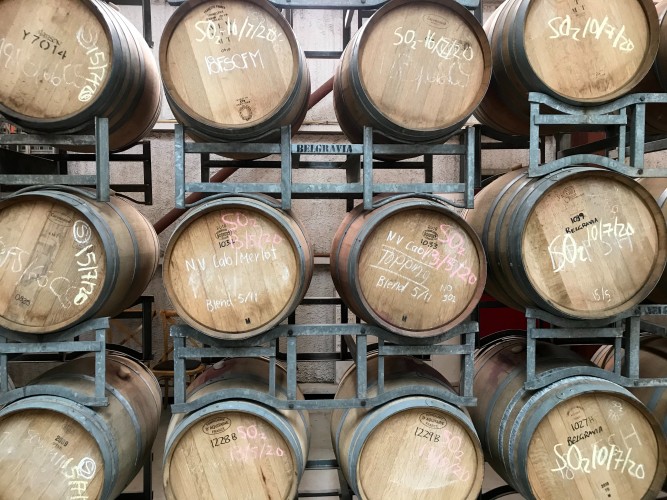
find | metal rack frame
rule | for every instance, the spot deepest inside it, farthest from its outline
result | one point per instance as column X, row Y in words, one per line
column 100, row 140
column 64, row 341
column 627, row 113
column 265, row 345
column 358, row 186
column 623, row 330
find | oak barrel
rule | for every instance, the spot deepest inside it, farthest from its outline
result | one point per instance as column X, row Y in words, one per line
column 66, row 62
column 411, row 265
column 53, row 448
column 581, row 242
column 581, row 54
column 415, row 447
column 652, row 364
column 65, row 258
column 579, row 437
column 415, row 72
column 233, row 71
column 234, row 448
column 237, row 266
column 657, row 186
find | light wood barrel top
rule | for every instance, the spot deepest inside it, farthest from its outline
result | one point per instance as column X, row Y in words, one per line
column 231, row 64
column 589, row 50
column 52, row 265
column 423, row 65
column 231, row 455
column 591, row 244
column 48, row 456
column 419, row 454
column 419, row 269
column 55, row 57
column 233, row 271
column 594, row 446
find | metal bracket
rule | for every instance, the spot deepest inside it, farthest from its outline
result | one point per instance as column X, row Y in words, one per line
column 623, row 330
column 627, row 113
column 290, row 154
column 257, row 346
column 100, row 140
column 64, row 341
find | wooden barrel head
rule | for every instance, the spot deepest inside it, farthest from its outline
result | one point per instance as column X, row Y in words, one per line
column 581, row 436
column 415, row 72
column 423, row 65
column 52, row 264
column 233, row 270
column 414, row 269
column 592, row 51
column 595, row 446
column 581, row 53
column 593, row 244
column 415, row 260
column 56, row 57
column 46, row 455
column 230, row 454
column 419, row 454
column 230, row 66
column 652, row 364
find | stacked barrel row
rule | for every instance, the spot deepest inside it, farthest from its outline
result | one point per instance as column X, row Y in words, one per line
column 416, row 269
column 238, row 265
column 66, row 257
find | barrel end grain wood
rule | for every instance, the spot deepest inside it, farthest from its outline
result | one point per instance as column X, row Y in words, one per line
column 415, row 72
column 413, row 447
column 581, row 242
column 237, row 266
column 579, row 54
column 580, row 437
column 67, row 62
column 411, row 266
column 69, row 257
column 52, row 447
column 236, row 448
column 233, row 72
